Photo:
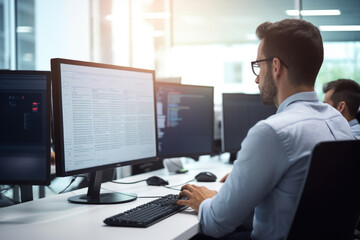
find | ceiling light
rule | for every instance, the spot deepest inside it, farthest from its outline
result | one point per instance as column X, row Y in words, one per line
column 331, row 12
column 327, row 28
column 24, row 29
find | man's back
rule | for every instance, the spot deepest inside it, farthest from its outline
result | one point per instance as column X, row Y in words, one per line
column 271, row 166
column 273, row 158
column 300, row 125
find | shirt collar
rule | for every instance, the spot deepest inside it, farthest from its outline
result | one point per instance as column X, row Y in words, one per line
column 353, row 122
column 301, row 96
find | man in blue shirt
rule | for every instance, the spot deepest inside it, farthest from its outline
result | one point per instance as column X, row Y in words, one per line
column 270, row 168
column 344, row 95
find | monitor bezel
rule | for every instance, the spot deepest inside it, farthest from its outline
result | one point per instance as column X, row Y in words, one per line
column 58, row 117
column 194, row 154
column 47, row 179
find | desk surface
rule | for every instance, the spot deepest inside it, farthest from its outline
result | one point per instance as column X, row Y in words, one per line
column 55, row 218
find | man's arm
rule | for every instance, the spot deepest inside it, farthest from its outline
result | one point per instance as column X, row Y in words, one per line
column 259, row 166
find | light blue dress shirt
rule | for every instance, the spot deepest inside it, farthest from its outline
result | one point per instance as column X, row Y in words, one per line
column 355, row 128
column 270, row 168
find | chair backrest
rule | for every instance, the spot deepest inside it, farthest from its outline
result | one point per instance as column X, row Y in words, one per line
column 330, row 200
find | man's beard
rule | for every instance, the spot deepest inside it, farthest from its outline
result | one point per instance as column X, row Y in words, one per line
column 268, row 92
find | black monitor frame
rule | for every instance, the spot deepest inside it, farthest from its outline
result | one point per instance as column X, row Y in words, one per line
column 195, row 155
column 240, row 97
column 46, row 181
column 93, row 196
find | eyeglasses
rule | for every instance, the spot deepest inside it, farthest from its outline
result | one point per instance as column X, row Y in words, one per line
column 256, row 67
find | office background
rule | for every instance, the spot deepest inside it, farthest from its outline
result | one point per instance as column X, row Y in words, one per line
column 205, row 42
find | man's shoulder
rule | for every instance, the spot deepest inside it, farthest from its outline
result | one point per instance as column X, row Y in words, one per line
column 355, row 128
column 302, row 114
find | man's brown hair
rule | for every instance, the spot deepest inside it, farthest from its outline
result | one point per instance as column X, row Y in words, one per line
column 296, row 43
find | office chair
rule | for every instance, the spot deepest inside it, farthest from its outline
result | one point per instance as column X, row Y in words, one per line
column 330, row 199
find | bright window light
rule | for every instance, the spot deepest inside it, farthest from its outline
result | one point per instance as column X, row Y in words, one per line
column 158, row 33
column 331, row 12
column 109, row 17
column 156, row 15
column 329, row 28
column 251, row 36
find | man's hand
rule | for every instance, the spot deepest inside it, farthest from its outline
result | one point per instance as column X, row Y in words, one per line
column 196, row 195
column 224, row 178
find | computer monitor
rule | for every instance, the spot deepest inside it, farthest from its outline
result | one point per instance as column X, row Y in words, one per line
column 240, row 113
column 104, row 117
column 185, row 120
column 25, row 128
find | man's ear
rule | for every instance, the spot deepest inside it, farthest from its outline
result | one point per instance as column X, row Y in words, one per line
column 341, row 106
column 276, row 68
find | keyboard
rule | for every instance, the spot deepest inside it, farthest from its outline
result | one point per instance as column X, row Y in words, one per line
column 147, row 214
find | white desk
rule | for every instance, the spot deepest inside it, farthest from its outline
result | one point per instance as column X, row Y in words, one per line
column 56, row 219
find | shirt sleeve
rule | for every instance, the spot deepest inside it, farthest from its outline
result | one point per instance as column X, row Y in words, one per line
column 260, row 164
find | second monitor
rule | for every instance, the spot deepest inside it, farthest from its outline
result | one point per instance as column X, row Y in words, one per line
column 185, row 119
column 240, row 113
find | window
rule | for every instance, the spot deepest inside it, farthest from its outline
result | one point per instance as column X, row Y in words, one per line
column 210, row 45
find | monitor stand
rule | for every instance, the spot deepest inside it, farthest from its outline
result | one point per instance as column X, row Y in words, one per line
column 26, row 193
column 93, row 195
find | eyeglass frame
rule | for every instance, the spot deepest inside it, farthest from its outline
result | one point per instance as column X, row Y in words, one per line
column 263, row 60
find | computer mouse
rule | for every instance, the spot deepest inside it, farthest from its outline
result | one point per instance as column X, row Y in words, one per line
column 205, row 177
column 156, row 181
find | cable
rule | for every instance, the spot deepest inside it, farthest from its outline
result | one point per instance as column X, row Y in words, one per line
column 7, row 189
column 129, row 182
column 176, row 189
column 169, row 187
column 71, row 182
column 173, row 187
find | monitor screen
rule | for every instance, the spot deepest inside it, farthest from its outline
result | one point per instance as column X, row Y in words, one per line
column 104, row 116
column 185, row 119
column 240, row 113
column 25, row 127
